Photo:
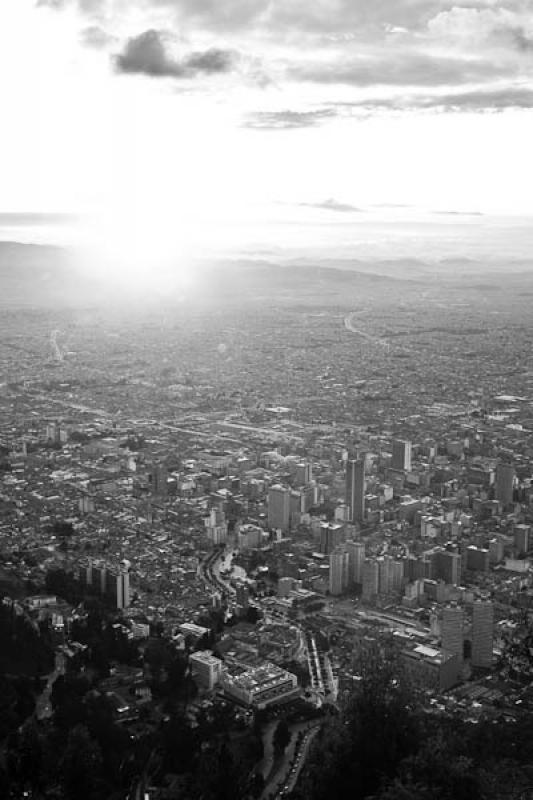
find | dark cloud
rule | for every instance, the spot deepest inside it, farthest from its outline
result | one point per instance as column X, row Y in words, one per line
column 333, row 205
column 147, row 54
column 520, row 39
column 96, row 37
column 287, row 120
column 401, row 69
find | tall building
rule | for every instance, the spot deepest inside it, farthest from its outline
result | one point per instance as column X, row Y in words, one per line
column 355, row 489
column 216, row 527
column 452, row 626
column 477, row 558
column 446, row 566
column 356, row 559
column 384, row 568
column 482, row 633
column 338, row 572
column 303, row 474
column 370, row 579
column 113, row 585
column 521, row 538
column 504, row 483
column 331, row 536
column 279, row 507
column 401, row 455
column 205, row 668
column 159, row 480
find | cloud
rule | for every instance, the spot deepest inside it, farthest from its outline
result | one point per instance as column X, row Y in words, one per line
column 497, row 27
column 400, row 69
column 96, row 37
column 460, row 213
column 85, row 6
column 319, row 16
column 333, row 205
column 147, row 54
column 478, row 100
column 287, row 120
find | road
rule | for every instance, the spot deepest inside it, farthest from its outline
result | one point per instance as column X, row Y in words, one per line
column 43, row 706
column 284, row 773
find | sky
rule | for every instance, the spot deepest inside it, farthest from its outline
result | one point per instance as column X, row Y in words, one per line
column 149, row 130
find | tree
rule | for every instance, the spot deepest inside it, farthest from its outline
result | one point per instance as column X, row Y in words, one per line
column 282, row 737
column 81, row 764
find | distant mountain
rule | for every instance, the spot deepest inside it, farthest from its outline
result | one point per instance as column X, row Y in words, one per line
column 47, row 276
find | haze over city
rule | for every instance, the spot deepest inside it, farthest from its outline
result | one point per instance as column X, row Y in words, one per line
column 266, row 400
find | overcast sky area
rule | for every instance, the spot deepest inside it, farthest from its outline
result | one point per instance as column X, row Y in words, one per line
column 360, row 128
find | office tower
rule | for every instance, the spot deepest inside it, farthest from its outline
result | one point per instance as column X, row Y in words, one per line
column 396, row 576
column 521, row 538
column 355, row 489
column 477, row 559
column 496, row 550
column 296, row 501
column 446, row 566
column 482, row 633
column 356, row 559
column 370, row 579
column 331, row 536
column 159, row 480
column 401, row 455
column 205, row 668
column 279, row 507
column 122, row 589
column 217, row 527
column 303, row 474
column 249, row 537
column 504, row 483
column 452, row 630
column 384, row 565
column 338, row 572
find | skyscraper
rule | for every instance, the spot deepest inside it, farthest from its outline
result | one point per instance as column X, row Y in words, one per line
column 279, row 507
column 401, row 455
column 356, row 559
column 446, row 566
column 452, row 630
column 159, row 480
column 331, row 536
column 338, row 571
column 355, row 489
column 504, row 483
column 482, row 633
column 370, row 579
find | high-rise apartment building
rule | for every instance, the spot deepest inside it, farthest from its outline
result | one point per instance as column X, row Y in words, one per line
column 158, row 478
column 482, row 633
column 338, row 571
column 504, row 483
column 331, row 536
column 279, row 507
column 446, row 566
column 303, row 474
column 521, row 538
column 205, row 668
column 401, row 455
column 356, row 559
column 452, row 627
column 355, row 489
column 370, row 579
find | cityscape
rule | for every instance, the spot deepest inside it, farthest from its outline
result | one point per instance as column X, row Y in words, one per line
column 266, row 400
